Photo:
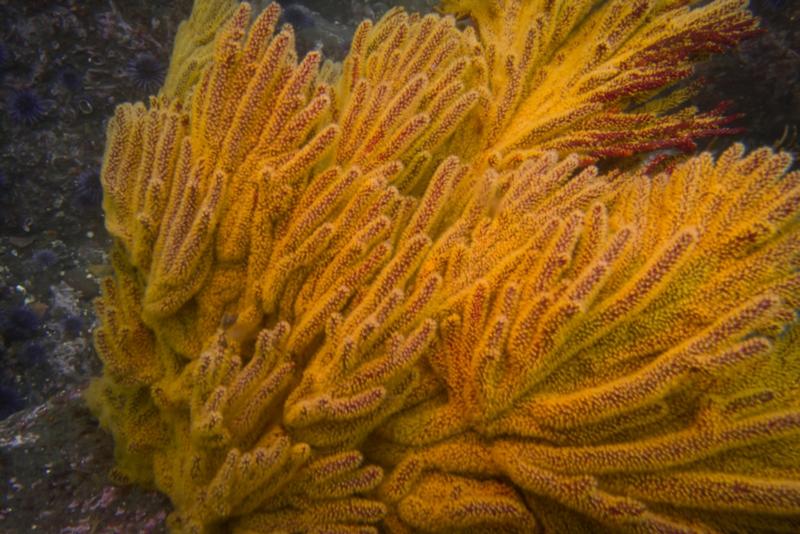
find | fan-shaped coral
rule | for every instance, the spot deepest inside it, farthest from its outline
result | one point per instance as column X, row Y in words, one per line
column 383, row 294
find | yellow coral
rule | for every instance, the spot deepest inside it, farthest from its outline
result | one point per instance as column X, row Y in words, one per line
column 383, row 294
column 588, row 76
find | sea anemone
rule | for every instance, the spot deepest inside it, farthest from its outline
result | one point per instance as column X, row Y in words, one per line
column 88, row 190
column 73, row 325
column 25, row 107
column 19, row 324
column 146, row 72
column 34, row 353
column 45, row 258
column 70, row 78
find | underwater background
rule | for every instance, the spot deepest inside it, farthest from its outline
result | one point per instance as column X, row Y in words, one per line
column 64, row 66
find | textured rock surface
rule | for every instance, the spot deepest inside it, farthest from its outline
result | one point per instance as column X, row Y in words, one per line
column 54, row 462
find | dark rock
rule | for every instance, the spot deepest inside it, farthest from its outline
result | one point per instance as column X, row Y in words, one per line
column 55, row 461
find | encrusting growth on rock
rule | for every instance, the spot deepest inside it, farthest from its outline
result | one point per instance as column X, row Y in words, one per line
column 391, row 295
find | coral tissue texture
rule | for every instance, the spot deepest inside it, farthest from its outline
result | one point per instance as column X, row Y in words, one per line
column 393, row 294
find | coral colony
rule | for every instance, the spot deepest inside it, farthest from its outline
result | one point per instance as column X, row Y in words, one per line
column 394, row 294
